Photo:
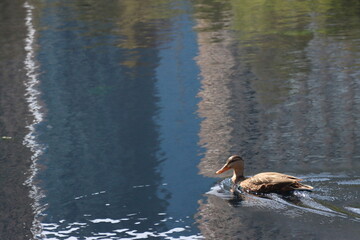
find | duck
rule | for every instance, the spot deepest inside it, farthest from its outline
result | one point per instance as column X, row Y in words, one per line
column 262, row 183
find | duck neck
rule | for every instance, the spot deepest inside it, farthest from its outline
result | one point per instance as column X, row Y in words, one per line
column 238, row 175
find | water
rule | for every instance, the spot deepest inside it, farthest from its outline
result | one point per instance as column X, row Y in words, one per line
column 115, row 115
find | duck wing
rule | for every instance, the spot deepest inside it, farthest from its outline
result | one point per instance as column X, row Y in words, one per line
column 273, row 182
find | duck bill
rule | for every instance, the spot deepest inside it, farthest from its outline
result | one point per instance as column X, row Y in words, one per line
column 223, row 169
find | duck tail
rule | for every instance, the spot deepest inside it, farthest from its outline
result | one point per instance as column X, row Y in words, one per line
column 303, row 187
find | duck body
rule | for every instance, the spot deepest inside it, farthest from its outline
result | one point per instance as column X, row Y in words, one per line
column 269, row 182
column 266, row 182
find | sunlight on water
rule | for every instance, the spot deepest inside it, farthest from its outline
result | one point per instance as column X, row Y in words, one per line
column 32, row 97
column 90, row 227
column 56, row 231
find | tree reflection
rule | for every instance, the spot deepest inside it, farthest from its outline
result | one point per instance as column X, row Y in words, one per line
column 279, row 87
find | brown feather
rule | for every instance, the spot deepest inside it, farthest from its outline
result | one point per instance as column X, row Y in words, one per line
column 263, row 182
column 273, row 182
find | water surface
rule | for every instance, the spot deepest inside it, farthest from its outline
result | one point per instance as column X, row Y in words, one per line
column 16, row 213
column 125, row 110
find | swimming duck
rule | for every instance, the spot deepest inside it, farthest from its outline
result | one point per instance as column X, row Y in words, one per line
column 267, row 182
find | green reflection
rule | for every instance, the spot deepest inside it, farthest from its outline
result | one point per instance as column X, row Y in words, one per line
column 137, row 25
column 272, row 37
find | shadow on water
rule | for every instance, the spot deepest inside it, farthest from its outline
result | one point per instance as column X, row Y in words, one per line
column 16, row 212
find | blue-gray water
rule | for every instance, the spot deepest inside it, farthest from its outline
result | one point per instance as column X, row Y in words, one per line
column 115, row 115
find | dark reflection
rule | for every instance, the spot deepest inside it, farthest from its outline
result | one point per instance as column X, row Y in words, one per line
column 343, row 19
column 100, row 172
column 215, row 13
column 16, row 213
column 280, row 87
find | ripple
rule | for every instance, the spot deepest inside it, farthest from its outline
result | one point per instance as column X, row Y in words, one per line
column 350, row 182
column 353, row 209
column 52, row 231
column 64, row 230
column 108, row 220
column 325, row 200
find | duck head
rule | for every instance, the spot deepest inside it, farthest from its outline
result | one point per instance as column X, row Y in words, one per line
column 236, row 163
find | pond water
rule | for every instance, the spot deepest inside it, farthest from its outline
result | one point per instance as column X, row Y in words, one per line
column 115, row 115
